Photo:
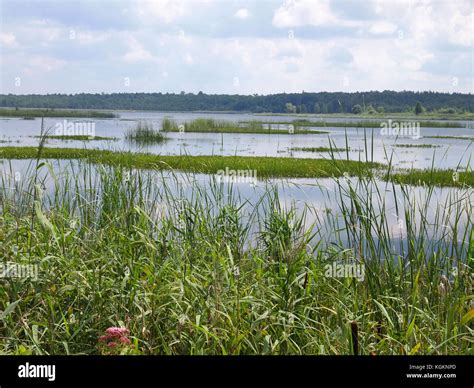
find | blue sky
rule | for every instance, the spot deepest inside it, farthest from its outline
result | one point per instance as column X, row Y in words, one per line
column 236, row 47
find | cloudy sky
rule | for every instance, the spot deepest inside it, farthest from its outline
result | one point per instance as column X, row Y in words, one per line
column 244, row 47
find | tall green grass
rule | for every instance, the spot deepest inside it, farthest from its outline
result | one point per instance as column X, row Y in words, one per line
column 193, row 268
column 208, row 125
column 144, row 134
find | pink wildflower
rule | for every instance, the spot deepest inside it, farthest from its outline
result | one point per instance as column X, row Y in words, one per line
column 117, row 331
column 124, row 340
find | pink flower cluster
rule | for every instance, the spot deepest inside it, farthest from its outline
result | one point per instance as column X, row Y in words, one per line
column 115, row 336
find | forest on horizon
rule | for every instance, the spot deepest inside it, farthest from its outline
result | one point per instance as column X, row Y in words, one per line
column 305, row 102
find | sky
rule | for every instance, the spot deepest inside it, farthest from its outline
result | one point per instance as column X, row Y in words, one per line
column 235, row 47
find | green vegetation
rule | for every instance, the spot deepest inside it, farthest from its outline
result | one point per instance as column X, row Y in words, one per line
column 144, row 133
column 372, row 103
column 222, row 126
column 116, row 247
column 419, row 108
column 416, row 145
column 357, row 109
column 354, row 124
column 29, row 114
column 319, row 149
column 78, row 137
column 450, row 137
column 265, row 166
column 433, row 177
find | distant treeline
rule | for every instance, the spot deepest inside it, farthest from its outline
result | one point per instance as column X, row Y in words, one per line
column 323, row 102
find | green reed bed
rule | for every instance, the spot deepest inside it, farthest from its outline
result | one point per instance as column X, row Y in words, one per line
column 416, row 145
column 32, row 113
column 265, row 166
column 221, row 126
column 450, row 137
column 144, row 134
column 435, row 177
column 358, row 124
column 128, row 248
column 319, row 149
column 78, row 137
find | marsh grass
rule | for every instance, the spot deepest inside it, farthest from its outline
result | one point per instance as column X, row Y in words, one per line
column 450, row 137
column 416, row 145
column 435, row 177
column 144, row 134
column 204, row 125
column 319, row 149
column 78, row 137
column 357, row 124
column 268, row 167
column 170, row 259
column 30, row 114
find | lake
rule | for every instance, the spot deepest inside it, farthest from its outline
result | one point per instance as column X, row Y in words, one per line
column 318, row 195
column 449, row 153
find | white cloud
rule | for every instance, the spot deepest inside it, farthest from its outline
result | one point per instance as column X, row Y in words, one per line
column 164, row 36
column 242, row 13
column 166, row 11
column 43, row 63
column 7, row 39
column 87, row 37
column 136, row 53
column 188, row 58
column 295, row 13
column 383, row 27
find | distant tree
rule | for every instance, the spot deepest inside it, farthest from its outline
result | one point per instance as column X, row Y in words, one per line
column 418, row 108
column 357, row 109
column 371, row 110
column 290, row 108
column 303, row 108
column 322, row 102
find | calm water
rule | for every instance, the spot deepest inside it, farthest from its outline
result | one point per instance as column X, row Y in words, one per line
column 317, row 195
column 450, row 153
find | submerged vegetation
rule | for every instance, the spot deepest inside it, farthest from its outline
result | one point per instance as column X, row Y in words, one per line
column 319, row 149
column 416, row 145
column 266, row 167
column 78, row 137
column 356, row 124
column 207, row 272
column 450, row 137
